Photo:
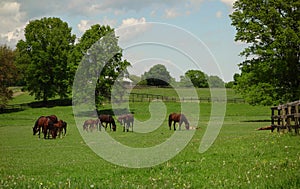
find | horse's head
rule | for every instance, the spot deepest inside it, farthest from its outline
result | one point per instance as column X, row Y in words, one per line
column 187, row 126
column 114, row 126
column 186, row 122
column 34, row 130
column 120, row 119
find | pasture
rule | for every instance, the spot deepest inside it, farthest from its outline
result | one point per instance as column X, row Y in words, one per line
column 241, row 157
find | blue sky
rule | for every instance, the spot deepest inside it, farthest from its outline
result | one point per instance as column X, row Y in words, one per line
column 206, row 20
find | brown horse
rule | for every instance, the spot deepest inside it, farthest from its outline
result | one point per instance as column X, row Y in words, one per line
column 61, row 127
column 46, row 123
column 126, row 120
column 180, row 118
column 91, row 124
column 108, row 119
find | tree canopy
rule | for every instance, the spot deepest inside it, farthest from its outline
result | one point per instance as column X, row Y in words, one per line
column 50, row 58
column 158, row 75
column 44, row 53
column 271, row 28
column 197, row 77
column 98, row 50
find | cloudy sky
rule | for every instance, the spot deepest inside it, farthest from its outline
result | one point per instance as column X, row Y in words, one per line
column 207, row 21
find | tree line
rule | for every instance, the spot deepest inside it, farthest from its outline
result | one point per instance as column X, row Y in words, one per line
column 45, row 62
column 158, row 75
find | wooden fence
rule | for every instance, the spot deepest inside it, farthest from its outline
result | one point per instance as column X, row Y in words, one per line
column 286, row 117
column 143, row 97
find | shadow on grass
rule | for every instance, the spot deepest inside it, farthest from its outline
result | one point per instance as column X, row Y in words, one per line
column 11, row 109
column 259, row 120
column 37, row 104
column 50, row 103
column 113, row 112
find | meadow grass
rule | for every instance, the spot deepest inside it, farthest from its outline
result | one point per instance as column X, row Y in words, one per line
column 241, row 157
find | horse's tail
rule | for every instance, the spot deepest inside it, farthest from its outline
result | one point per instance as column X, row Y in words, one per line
column 170, row 120
column 65, row 127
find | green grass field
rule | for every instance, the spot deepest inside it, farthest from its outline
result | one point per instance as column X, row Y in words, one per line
column 241, row 157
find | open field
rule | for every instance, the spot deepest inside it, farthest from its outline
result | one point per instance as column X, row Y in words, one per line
column 241, row 157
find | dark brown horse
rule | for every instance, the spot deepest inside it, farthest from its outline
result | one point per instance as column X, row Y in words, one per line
column 178, row 118
column 61, row 127
column 107, row 119
column 126, row 120
column 90, row 125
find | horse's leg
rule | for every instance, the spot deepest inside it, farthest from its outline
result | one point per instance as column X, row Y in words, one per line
column 45, row 132
column 65, row 130
column 105, row 126
column 39, row 131
column 127, row 126
column 48, row 133
column 180, row 122
column 123, row 124
column 174, row 125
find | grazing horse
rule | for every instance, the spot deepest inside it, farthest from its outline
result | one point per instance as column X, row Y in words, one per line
column 61, row 127
column 91, row 124
column 180, row 118
column 46, row 123
column 37, row 125
column 126, row 120
column 108, row 119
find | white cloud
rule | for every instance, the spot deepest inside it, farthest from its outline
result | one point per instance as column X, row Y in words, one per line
column 132, row 21
column 228, row 2
column 86, row 24
column 131, row 27
column 15, row 14
column 171, row 13
column 11, row 22
column 83, row 25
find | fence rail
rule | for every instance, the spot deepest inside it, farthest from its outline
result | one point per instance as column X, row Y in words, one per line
column 286, row 116
column 143, row 97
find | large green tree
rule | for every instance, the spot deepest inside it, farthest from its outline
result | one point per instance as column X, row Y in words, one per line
column 158, row 75
column 98, row 50
column 271, row 28
column 215, row 82
column 44, row 56
column 197, row 77
column 8, row 73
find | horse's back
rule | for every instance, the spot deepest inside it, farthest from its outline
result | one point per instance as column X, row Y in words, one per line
column 53, row 118
column 106, row 118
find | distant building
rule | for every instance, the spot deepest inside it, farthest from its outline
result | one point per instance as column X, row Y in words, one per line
column 126, row 82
